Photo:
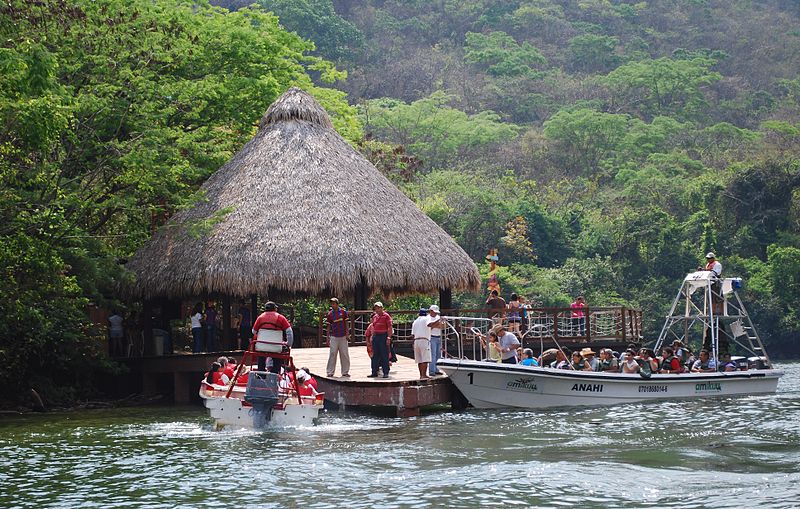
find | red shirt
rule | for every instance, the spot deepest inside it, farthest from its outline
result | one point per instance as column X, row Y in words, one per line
column 577, row 309
column 229, row 370
column 271, row 320
column 381, row 323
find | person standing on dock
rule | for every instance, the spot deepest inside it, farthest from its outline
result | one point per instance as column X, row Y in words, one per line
column 381, row 340
column 245, row 325
column 437, row 327
column 421, row 332
column 337, row 339
column 497, row 307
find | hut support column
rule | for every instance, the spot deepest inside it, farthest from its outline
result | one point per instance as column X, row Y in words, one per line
column 361, row 294
column 445, row 298
column 226, row 321
column 253, row 309
column 147, row 324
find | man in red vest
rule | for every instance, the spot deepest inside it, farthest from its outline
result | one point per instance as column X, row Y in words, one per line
column 272, row 320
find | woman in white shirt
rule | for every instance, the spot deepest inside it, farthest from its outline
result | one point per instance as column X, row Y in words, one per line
column 197, row 327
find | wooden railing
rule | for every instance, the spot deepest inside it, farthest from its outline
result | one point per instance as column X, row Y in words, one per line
column 599, row 324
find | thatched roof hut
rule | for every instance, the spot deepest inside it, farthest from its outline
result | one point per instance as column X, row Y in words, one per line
column 309, row 215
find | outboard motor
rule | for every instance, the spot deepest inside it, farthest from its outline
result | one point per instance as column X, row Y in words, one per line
column 262, row 393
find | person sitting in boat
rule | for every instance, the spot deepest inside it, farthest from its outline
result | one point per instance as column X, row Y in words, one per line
column 311, row 380
column 681, row 352
column 527, row 358
column 649, row 356
column 579, row 363
column 270, row 319
column 215, row 375
column 304, row 385
column 629, row 364
column 705, row 364
column 726, row 364
column 589, row 355
column 561, row 361
column 227, row 367
column 492, row 348
column 547, row 357
column 607, row 361
column 669, row 363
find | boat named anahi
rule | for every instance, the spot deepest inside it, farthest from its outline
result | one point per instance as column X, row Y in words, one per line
column 706, row 309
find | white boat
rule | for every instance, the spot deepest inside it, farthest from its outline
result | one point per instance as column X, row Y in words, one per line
column 268, row 400
column 704, row 308
column 237, row 410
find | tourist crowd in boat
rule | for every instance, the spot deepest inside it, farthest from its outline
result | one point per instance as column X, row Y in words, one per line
column 674, row 359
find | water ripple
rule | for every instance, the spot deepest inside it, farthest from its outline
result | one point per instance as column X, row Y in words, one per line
column 717, row 453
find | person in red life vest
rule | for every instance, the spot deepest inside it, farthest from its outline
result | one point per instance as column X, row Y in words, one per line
column 272, row 320
column 311, row 380
column 368, row 339
column 230, row 367
column 227, row 367
column 304, row 385
column 381, row 340
column 216, row 376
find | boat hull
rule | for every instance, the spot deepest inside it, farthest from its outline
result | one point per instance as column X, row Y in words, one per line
column 236, row 413
column 492, row 385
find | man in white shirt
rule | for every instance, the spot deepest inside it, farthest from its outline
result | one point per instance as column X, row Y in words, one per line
column 508, row 345
column 422, row 342
column 713, row 265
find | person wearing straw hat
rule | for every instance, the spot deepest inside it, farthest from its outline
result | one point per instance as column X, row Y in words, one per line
column 508, row 344
column 437, row 326
column 337, row 339
column 589, row 355
column 381, row 340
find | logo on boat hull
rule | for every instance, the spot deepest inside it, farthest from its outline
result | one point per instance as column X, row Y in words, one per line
column 588, row 387
column 522, row 384
column 708, row 387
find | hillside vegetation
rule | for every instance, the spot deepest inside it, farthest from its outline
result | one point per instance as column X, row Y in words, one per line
column 602, row 146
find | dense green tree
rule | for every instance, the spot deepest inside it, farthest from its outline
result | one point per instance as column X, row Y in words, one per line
column 501, row 55
column 662, row 86
column 114, row 112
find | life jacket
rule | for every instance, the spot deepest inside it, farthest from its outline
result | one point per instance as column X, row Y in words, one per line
column 216, row 378
column 229, row 370
column 667, row 363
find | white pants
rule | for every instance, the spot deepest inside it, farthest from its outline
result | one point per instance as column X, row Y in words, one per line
column 338, row 346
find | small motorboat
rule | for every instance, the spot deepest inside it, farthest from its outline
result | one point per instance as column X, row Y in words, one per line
column 262, row 399
column 706, row 309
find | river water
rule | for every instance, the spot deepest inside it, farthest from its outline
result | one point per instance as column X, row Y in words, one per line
column 703, row 453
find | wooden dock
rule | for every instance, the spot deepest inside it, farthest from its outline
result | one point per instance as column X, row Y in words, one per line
column 402, row 394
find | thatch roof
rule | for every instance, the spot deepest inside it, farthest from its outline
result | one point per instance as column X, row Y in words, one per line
column 310, row 215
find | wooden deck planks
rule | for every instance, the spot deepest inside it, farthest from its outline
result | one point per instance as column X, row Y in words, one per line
column 316, row 360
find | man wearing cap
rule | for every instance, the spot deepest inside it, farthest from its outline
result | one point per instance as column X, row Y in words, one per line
column 381, row 341
column 437, row 325
column 270, row 319
column 713, row 265
column 422, row 342
column 337, row 339
column 508, row 343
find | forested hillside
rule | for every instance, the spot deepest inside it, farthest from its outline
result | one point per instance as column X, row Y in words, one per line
column 603, row 146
